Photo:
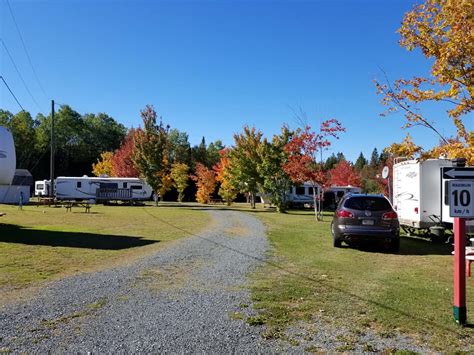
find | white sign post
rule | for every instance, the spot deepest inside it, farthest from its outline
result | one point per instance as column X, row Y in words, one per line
column 461, row 198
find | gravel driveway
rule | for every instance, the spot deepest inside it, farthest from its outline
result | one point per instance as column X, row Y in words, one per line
column 185, row 298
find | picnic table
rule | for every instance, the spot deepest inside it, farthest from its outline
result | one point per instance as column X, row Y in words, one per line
column 469, row 257
column 70, row 204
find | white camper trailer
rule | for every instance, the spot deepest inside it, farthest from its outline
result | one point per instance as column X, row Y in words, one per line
column 419, row 196
column 99, row 189
column 42, row 188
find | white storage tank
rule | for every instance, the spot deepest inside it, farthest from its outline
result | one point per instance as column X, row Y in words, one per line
column 7, row 157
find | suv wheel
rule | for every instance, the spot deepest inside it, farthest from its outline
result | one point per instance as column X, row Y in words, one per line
column 336, row 242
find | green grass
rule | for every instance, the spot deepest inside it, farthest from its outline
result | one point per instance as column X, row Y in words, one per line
column 38, row 244
column 410, row 292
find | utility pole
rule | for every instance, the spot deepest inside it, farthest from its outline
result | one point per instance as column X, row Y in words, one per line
column 51, row 162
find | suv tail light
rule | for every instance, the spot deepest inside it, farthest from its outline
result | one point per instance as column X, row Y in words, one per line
column 344, row 214
column 389, row 215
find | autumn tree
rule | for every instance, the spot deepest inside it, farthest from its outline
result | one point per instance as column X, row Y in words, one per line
column 442, row 30
column 303, row 149
column 228, row 186
column 244, row 161
column 180, row 177
column 122, row 160
column 273, row 157
column 343, row 174
column 103, row 166
column 151, row 146
column 205, row 182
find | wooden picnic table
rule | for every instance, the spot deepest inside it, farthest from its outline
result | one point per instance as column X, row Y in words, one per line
column 70, row 204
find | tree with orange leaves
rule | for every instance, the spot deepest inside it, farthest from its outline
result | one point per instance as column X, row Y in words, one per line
column 205, row 182
column 228, row 189
column 442, row 30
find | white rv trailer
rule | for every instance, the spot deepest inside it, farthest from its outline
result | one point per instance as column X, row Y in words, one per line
column 302, row 195
column 99, row 189
column 419, row 195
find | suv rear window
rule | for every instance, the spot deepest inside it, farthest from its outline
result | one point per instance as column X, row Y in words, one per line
column 367, row 203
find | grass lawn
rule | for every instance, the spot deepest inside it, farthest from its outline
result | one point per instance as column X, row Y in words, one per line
column 43, row 243
column 410, row 292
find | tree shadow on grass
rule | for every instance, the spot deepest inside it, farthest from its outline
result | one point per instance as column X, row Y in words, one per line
column 10, row 233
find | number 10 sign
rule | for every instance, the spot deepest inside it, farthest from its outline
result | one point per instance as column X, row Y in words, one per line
column 461, row 198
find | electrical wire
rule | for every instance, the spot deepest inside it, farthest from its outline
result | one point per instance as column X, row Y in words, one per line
column 19, row 74
column 11, row 92
column 26, row 50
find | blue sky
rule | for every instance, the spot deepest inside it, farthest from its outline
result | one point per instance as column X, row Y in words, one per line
column 210, row 67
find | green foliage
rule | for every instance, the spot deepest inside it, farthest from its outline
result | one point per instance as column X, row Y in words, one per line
column 151, row 149
column 213, row 150
column 180, row 149
column 374, row 158
column 79, row 140
column 270, row 167
column 180, row 176
column 244, row 161
column 22, row 127
column 360, row 162
column 331, row 161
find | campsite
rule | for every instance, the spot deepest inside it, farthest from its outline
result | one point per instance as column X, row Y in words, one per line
column 236, row 177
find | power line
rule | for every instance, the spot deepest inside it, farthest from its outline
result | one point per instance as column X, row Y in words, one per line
column 11, row 92
column 19, row 74
column 26, row 50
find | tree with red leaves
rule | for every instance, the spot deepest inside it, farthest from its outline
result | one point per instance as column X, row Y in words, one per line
column 122, row 162
column 344, row 174
column 303, row 149
column 206, row 183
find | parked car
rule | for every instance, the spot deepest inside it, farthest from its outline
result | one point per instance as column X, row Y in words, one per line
column 366, row 218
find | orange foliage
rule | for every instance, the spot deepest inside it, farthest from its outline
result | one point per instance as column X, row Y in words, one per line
column 206, row 183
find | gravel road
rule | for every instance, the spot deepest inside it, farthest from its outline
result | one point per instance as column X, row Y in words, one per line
column 185, row 298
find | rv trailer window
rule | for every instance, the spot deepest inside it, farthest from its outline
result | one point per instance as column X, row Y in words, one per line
column 136, row 187
column 79, row 184
column 300, row 190
column 125, row 185
column 310, row 190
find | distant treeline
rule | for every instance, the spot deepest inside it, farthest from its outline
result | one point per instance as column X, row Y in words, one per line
column 80, row 140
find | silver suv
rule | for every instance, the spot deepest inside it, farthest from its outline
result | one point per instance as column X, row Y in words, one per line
column 364, row 217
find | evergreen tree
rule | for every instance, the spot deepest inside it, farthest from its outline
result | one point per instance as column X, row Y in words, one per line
column 330, row 162
column 360, row 162
column 374, row 159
